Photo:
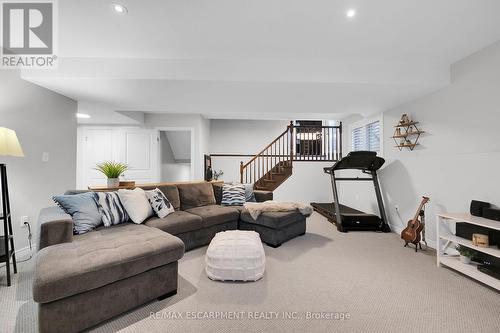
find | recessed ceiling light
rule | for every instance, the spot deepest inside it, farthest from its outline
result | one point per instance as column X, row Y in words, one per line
column 82, row 115
column 119, row 8
column 351, row 13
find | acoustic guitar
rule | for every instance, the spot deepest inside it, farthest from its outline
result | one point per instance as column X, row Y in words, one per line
column 411, row 234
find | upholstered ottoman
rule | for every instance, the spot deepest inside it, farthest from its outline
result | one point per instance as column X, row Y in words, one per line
column 275, row 228
column 235, row 256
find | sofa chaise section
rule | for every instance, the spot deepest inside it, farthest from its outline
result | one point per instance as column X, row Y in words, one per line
column 103, row 273
column 274, row 228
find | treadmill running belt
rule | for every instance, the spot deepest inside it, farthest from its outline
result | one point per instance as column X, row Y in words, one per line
column 352, row 219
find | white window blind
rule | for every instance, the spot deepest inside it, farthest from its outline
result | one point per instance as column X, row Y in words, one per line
column 373, row 136
column 366, row 137
column 358, row 139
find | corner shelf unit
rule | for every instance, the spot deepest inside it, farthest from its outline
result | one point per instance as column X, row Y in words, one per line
column 445, row 238
column 406, row 134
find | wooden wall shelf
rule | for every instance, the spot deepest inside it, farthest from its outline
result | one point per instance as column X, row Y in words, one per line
column 407, row 133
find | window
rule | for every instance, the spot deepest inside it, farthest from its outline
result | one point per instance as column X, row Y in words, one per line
column 366, row 137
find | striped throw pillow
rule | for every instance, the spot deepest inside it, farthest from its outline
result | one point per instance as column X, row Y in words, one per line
column 233, row 195
column 111, row 208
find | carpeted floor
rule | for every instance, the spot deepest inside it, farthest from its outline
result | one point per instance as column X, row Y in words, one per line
column 367, row 277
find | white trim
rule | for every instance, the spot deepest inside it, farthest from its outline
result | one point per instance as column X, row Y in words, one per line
column 363, row 123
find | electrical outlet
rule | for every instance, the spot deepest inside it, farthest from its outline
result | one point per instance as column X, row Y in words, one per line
column 45, row 157
column 24, row 219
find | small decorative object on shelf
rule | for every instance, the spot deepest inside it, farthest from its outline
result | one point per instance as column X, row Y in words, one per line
column 112, row 170
column 481, row 240
column 217, row 174
column 465, row 253
column 407, row 133
column 127, row 183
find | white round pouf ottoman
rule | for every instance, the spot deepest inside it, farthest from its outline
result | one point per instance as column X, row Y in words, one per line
column 235, row 255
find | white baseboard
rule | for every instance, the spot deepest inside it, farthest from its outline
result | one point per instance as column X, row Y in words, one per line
column 24, row 253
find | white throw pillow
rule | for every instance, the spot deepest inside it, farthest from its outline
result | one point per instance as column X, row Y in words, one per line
column 136, row 204
column 159, row 202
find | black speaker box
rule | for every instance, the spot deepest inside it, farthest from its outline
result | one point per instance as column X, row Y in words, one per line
column 491, row 213
column 476, row 207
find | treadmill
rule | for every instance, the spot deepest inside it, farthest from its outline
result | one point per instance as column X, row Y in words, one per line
column 347, row 218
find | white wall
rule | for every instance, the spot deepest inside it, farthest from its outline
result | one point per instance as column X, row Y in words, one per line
column 459, row 156
column 170, row 169
column 44, row 122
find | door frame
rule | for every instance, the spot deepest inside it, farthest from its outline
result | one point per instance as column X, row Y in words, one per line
column 178, row 129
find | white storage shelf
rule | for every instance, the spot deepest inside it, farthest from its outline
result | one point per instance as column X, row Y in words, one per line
column 445, row 238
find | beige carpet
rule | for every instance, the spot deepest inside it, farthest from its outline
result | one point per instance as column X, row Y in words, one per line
column 382, row 286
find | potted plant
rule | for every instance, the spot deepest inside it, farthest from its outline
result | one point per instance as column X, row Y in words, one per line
column 112, row 170
column 217, row 175
column 465, row 253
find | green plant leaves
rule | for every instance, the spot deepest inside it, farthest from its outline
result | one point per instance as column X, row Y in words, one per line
column 111, row 169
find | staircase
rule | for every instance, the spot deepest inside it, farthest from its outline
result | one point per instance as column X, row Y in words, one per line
column 273, row 165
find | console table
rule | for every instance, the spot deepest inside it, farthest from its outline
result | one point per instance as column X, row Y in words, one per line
column 446, row 237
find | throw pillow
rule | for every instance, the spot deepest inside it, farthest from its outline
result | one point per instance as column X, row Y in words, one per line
column 111, row 208
column 233, row 195
column 136, row 204
column 249, row 195
column 83, row 208
column 159, row 203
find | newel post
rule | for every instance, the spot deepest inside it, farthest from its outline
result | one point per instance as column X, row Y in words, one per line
column 241, row 171
column 291, row 142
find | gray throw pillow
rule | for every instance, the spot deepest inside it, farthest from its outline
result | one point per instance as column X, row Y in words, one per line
column 83, row 208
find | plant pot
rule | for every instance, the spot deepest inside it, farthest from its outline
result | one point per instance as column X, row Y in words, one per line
column 465, row 260
column 113, row 182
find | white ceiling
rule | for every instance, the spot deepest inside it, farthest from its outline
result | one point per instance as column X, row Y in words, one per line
column 259, row 58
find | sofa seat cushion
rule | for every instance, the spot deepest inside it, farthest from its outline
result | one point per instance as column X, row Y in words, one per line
column 215, row 214
column 273, row 220
column 176, row 223
column 100, row 257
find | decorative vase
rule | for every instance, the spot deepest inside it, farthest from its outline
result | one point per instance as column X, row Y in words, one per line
column 113, row 182
column 465, row 260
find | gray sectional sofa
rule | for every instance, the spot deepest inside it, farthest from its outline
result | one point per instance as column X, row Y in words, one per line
column 82, row 280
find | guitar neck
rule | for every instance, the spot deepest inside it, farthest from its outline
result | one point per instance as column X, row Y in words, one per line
column 422, row 203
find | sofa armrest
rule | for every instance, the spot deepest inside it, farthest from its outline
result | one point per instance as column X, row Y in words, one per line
column 262, row 196
column 54, row 227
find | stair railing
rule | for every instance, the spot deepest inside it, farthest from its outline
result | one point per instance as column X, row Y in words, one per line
column 296, row 143
column 280, row 150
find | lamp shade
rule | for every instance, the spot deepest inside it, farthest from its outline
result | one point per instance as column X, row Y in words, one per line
column 9, row 144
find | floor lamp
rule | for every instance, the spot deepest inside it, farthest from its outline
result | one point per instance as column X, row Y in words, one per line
column 9, row 146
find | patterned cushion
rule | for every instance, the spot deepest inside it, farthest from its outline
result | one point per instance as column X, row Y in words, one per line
column 83, row 209
column 111, row 209
column 249, row 195
column 233, row 195
column 159, row 203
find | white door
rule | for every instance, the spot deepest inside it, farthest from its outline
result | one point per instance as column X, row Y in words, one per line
column 140, row 153
column 98, row 147
column 138, row 148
